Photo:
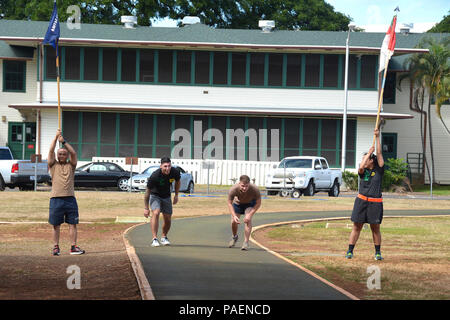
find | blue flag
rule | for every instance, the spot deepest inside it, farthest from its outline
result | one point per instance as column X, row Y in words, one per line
column 52, row 35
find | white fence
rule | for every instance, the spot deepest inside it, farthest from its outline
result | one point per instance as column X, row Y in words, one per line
column 224, row 172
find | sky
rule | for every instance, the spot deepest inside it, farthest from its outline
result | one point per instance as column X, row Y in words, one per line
column 376, row 15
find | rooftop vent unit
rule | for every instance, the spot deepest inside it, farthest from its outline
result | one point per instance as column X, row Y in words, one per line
column 190, row 20
column 405, row 28
column 266, row 25
column 128, row 21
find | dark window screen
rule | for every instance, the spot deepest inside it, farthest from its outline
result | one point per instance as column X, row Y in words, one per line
column 202, row 67
column 238, row 68
column 163, row 129
column 310, row 133
column 291, row 133
column 126, row 128
column 108, row 131
column 72, row 61
column 352, row 70
column 165, row 66
column 184, row 66
column 14, row 75
column 128, row 65
column 275, row 69
column 50, row 60
column 294, row 70
column 146, row 66
column 368, row 71
column 145, row 129
column 220, row 75
column 90, row 63
column 90, row 121
column 70, row 125
column 109, row 64
column 329, row 134
column 331, row 70
column 389, row 88
column 312, row 71
column 257, row 69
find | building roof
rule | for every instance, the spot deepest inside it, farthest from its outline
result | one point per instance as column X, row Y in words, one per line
column 201, row 36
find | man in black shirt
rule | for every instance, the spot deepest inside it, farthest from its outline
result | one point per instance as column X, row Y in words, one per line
column 158, row 197
column 368, row 207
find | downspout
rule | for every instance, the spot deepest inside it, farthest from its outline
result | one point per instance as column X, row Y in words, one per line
column 38, row 115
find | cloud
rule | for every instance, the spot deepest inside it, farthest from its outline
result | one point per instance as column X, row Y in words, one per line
column 374, row 15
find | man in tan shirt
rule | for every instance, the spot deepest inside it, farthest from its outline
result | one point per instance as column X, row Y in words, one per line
column 243, row 198
column 63, row 205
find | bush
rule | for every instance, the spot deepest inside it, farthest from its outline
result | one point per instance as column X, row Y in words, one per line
column 395, row 173
column 350, row 180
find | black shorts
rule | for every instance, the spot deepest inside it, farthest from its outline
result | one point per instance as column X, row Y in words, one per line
column 367, row 212
column 240, row 208
column 63, row 209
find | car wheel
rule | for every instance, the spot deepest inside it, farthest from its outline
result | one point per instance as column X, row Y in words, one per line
column 122, row 184
column 283, row 193
column 191, row 187
column 309, row 191
column 296, row 193
column 2, row 184
column 334, row 191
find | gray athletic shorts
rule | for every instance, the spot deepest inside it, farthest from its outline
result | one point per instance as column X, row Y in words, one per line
column 163, row 204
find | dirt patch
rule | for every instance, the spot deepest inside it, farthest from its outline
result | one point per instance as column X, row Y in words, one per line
column 29, row 271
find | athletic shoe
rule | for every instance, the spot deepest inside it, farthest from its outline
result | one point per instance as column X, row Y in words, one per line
column 155, row 243
column 378, row 256
column 56, row 250
column 76, row 250
column 349, row 255
column 165, row 241
column 233, row 241
column 244, row 246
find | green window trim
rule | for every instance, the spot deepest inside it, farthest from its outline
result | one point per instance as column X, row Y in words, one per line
column 340, row 85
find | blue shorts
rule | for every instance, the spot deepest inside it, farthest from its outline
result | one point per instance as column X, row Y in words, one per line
column 240, row 208
column 63, row 209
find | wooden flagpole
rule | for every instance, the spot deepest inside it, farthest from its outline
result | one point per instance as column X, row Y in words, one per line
column 57, row 80
column 380, row 99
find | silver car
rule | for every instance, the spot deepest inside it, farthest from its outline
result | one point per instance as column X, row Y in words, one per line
column 140, row 180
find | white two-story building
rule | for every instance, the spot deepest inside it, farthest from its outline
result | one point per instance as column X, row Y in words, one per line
column 125, row 91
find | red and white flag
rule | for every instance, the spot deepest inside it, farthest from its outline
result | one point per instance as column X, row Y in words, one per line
column 387, row 48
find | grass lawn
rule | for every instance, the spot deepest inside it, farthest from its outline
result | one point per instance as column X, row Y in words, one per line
column 437, row 190
column 416, row 252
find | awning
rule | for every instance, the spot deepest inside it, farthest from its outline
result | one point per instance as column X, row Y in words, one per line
column 210, row 110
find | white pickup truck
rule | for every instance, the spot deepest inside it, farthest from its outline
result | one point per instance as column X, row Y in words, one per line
column 20, row 173
column 303, row 175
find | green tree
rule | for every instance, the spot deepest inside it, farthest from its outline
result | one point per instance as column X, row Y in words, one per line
column 443, row 26
column 430, row 74
column 288, row 14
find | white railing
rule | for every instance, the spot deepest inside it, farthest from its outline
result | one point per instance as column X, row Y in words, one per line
column 224, row 172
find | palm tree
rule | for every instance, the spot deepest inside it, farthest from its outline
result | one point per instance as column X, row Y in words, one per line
column 430, row 72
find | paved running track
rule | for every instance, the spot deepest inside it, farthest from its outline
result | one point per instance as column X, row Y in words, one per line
column 199, row 265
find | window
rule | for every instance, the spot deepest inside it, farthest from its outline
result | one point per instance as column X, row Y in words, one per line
column 389, row 88
column 109, row 64
column 368, row 71
column 291, row 137
column 184, row 66
column 165, row 66
column 316, row 163
column 331, row 70
column 128, row 72
column 70, row 125
column 220, row 75
column 50, row 62
column 275, row 69
column 294, row 70
column 146, row 66
column 310, row 133
column 202, row 67
column 72, row 63
column 90, row 63
column 14, row 75
column 324, row 164
column 239, row 61
column 257, row 69
column 312, row 71
column 352, row 72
